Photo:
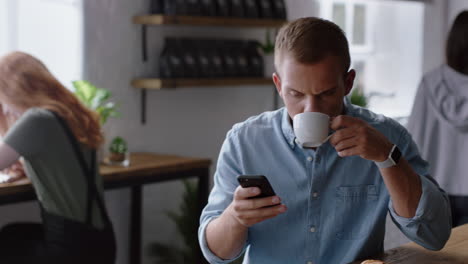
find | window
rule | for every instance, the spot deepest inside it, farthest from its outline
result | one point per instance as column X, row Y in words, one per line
column 352, row 17
column 51, row 30
column 385, row 39
column 359, row 24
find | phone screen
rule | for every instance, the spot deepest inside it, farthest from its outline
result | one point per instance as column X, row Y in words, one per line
column 259, row 181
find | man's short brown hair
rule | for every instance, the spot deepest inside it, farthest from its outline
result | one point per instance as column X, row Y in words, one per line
column 309, row 40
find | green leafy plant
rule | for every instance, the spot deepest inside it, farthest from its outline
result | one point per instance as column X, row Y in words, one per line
column 358, row 97
column 118, row 145
column 96, row 99
column 186, row 221
column 268, row 47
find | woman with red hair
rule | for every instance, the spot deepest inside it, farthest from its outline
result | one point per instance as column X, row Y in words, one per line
column 57, row 136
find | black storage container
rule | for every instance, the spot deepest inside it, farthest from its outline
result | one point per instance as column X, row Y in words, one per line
column 255, row 59
column 223, row 8
column 189, row 54
column 228, row 54
column 206, row 67
column 157, row 6
column 265, row 8
column 210, row 58
column 216, row 57
column 208, row 7
column 279, row 9
column 238, row 48
column 171, row 60
column 237, row 8
column 251, row 9
column 175, row 7
column 193, row 8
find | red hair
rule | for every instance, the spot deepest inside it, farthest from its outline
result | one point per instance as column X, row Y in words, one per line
column 25, row 82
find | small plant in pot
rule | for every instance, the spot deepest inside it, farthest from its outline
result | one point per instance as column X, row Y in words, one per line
column 118, row 151
column 268, row 47
column 99, row 101
column 268, row 50
column 357, row 97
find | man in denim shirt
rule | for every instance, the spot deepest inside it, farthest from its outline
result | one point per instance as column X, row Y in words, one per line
column 332, row 200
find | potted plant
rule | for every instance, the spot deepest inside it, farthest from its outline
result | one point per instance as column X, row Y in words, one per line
column 97, row 99
column 268, row 48
column 118, row 151
column 186, row 221
column 358, row 97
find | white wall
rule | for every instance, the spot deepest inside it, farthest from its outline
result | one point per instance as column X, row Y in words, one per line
column 439, row 18
column 435, row 26
column 455, row 7
column 4, row 29
column 394, row 66
column 302, row 8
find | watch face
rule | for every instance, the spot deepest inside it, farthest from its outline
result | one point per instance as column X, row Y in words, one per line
column 396, row 155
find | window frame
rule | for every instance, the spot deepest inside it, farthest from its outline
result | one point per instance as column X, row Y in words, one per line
column 326, row 11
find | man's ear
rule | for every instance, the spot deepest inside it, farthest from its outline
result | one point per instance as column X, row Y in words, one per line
column 277, row 81
column 349, row 81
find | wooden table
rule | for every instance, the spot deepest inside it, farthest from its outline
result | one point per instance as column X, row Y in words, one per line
column 454, row 252
column 144, row 168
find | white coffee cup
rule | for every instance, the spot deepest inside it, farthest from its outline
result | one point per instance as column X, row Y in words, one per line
column 311, row 128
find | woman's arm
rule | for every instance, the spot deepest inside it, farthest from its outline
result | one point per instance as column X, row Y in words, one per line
column 14, row 173
column 3, row 122
column 10, row 164
column 8, row 156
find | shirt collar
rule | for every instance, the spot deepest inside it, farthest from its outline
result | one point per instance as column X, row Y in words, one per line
column 349, row 108
column 288, row 131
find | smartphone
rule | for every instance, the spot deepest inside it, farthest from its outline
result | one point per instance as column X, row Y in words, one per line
column 259, row 181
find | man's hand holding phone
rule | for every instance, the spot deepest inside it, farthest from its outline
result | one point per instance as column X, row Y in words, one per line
column 248, row 209
column 227, row 234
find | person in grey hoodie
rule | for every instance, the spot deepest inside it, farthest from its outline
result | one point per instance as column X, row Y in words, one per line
column 439, row 120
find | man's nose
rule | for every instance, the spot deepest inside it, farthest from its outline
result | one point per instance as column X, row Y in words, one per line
column 311, row 105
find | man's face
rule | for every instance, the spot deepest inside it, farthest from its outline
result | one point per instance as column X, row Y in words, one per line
column 318, row 87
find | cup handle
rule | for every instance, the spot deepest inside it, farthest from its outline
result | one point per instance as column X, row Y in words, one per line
column 327, row 138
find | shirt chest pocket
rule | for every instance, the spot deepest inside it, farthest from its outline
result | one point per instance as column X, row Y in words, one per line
column 354, row 207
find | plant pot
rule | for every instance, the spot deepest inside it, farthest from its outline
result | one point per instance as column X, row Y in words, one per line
column 119, row 159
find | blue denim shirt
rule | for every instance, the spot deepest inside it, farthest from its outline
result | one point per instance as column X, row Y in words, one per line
column 337, row 206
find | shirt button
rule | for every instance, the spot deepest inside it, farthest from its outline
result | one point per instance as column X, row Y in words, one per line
column 315, row 194
column 312, row 229
column 310, row 158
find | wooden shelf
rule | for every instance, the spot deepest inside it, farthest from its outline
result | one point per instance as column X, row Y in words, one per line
column 158, row 19
column 207, row 21
column 176, row 83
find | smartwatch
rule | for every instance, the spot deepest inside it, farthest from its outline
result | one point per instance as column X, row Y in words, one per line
column 392, row 160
